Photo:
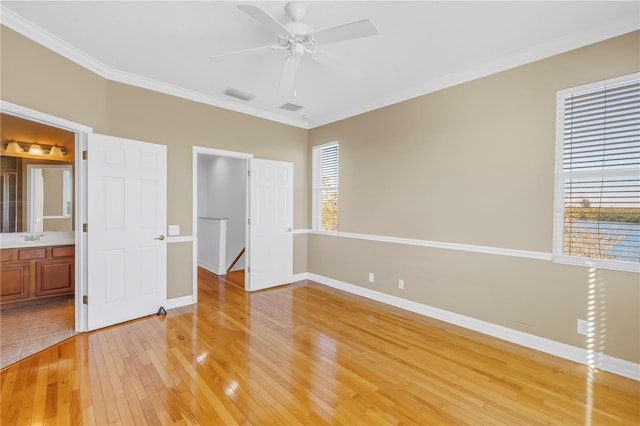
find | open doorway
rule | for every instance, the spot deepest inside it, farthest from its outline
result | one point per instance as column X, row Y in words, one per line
column 268, row 220
column 40, row 204
column 222, row 212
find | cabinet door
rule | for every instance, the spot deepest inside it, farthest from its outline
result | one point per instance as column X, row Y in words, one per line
column 55, row 277
column 15, row 281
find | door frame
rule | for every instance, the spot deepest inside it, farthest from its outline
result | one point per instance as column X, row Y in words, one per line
column 80, row 196
column 218, row 153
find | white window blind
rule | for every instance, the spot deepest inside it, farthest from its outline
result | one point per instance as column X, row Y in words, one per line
column 326, row 179
column 599, row 173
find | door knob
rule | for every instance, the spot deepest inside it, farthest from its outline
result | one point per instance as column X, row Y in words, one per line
column 289, row 230
column 161, row 237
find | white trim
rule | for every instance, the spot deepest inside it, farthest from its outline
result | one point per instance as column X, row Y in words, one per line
column 583, row 356
column 59, row 46
column 213, row 269
column 31, row 191
column 301, row 231
column 587, row 262
column 598, row 84
column 560, row 176
column 316, row 177
column 300, row 276
column 178, row 302
column 41, row 117
column 180, row 239
column 527, row 254
column 194, row 169
column 570, row 42
column 80, row 196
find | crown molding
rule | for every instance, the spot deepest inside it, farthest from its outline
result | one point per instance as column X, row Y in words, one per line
column 609, row 30
column 546, row 50
column 26, row 28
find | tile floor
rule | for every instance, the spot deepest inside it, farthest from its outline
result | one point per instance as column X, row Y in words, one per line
column 29, row 328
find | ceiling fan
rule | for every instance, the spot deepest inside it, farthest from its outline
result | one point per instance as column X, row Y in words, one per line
column 299, row 39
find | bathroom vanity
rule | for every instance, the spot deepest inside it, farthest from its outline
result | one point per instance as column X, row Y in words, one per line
column 36, row 266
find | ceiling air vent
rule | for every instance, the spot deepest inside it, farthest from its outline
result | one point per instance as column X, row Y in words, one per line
column 290, row 107
column 238, row 94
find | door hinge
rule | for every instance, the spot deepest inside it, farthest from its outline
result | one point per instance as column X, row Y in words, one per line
column 249, row 173
column 84, row 154
column 249, row 221
column 248, row 269
column 85, row 227
column 85, row 299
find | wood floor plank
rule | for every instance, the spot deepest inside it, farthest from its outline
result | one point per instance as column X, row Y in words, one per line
column 303, row 354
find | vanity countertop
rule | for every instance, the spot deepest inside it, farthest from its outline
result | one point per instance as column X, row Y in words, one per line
column 47, row 239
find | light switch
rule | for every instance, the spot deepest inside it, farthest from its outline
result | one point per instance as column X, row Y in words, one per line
column 174, row 229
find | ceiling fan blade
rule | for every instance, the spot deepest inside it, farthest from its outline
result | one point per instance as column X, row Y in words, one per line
column 358, row 29
column 288, row 78
column 337, row 64
column 246, row 52
column 262, row 16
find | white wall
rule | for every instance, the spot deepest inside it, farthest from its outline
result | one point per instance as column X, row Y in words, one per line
column 222, row 185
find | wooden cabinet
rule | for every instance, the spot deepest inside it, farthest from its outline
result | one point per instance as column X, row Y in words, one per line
column 14, row 281
column 31, row 273
column 54, row 277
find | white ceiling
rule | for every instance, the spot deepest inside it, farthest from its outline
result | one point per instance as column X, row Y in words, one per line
column 422, row 46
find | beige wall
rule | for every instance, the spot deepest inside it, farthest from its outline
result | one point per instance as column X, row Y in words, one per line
column 474, row 164
column 34, row 77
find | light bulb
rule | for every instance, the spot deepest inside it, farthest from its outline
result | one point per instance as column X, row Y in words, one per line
column 55, row 151
column 14, row 148
column 35, row 150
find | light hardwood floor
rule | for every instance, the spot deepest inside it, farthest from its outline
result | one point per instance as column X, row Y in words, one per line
column 303, row 354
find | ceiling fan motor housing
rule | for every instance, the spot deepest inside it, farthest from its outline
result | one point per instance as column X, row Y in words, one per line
column 296, row 10
column 299, row 29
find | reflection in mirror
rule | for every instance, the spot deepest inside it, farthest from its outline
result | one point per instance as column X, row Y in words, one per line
column 49, row 198
column 8, row 201
column 47, row 204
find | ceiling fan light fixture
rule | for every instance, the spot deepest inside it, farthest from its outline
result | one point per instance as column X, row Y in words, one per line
column 296, row 37
column 239, row 94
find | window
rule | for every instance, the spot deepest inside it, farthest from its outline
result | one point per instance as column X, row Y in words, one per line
column 598, row 174
column 325, row 187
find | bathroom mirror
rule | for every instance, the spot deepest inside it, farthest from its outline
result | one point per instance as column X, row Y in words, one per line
column 49, row 198
column 36, row 191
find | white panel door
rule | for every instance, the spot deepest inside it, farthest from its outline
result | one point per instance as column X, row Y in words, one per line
column 271, row 222
column 127, row 199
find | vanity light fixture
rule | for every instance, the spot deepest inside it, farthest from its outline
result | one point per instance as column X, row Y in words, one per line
column 36, row 149
column 33, row 149
column 56, row 152
column 13, row 148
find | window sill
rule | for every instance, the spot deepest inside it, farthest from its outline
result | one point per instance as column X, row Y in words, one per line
column 615, row 265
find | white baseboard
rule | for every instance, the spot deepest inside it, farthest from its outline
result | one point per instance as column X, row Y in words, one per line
column 299, row 277
column 211, row 268
column 583, row 356
column 178, row 302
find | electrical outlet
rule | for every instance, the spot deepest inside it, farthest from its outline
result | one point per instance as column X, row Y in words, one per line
column 370, row 277
column 584, row 327
column 174, row 229
column 401, row 284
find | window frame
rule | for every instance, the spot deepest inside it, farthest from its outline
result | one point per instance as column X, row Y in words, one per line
column 560, row 176
column 317, row 190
